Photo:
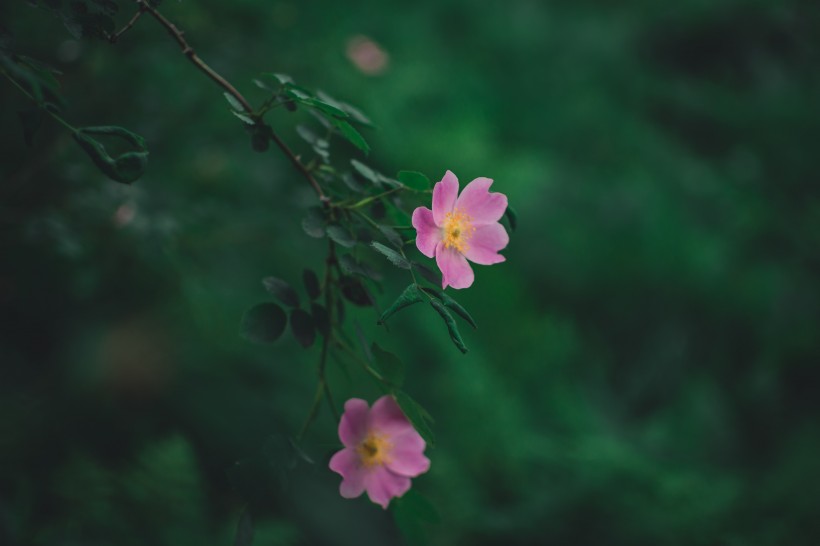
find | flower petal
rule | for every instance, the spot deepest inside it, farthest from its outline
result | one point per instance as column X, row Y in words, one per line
column 382, row 485
column 479, row 204
column 444, row 197
column 353, row 425
column 428, row 234
column 407, row 455
column 485, row 243
column 354, row 476
column 387, row 418
column 455, row 271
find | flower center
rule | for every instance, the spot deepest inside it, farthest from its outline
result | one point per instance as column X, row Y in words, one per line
column 374, row 450
column 457, row 230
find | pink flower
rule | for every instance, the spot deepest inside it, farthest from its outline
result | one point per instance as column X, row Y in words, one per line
column 460, row 228
column 382, row 451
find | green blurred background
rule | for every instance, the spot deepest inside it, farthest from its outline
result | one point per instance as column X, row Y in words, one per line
column 646, row 365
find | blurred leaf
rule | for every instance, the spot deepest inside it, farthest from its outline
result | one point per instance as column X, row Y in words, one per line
column 31, row 120
column 417, row 415
column 281, row 290
column 355, row 114
column 263, row 323
column 303, row 327
column 452, row 328
column 365, row 171
column 325, row 108
column 314, row 223
column 389, row 365
column 414, row 514
column 407, row 298
column 392, row 236
column 244, row 530
column 321, row 318
column 349, row 264
column 351, row 182
column 236, row 106
column 354, row 291
column 126, row 167
column 414, row 180
column 283, row 79
column 341, row 235
column 395, row 258
column 351, row 134
column 311, row 282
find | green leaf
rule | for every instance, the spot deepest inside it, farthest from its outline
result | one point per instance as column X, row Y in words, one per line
column 414, row 514
column 245, row 118
column 389, row 365
column 512, row 217
column 282, row 291
column 303, row 327
column 450, row 303
column 341, row 235
column 455, row 336
column 351, row 134
column 414, row 180
column 407, row 298
column 417, row 415
column 395, row 258
column 314, row 223
column 355, row 292
column 392, row 236
column 321, row 318
column 263, row 323
column 126, row 167
column 311, row 282
column 325, row 108
column 365, row 171
column 349, row 264
column 355, row 114
column 244, row 530
column 283, row 79
column 236, row 106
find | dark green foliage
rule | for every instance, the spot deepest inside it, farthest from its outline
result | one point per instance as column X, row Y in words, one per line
column 320, row 318
column 311, row 282
column 125, row 167
column 263, row 323
column 415, row 517
column 281, row 290
column 244, row 530
column 417, row 415
column 303, row 327
column 355, row 292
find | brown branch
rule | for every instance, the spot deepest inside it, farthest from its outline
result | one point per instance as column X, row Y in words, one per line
column 112, row 38
column 188, row 51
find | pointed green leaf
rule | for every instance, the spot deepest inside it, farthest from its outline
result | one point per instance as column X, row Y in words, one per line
column 389, row 365
column 365, row 171
column 236, row 106
column 414, row 180
column 282, row 291
column 351, row 134
column 450, row 303
column 395, row 258
column 263, row 323
column 452, row 328
column 407, row 298
column 244, row 117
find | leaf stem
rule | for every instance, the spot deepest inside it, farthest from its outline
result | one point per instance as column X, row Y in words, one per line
column 113, row 38
column 191, row 55
column 56, row 117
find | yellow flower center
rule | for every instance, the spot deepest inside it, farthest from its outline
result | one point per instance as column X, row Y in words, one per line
column 375, row 450
column 457, row 230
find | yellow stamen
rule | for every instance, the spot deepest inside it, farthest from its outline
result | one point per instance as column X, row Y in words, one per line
column 457, row 230
column 375, row 450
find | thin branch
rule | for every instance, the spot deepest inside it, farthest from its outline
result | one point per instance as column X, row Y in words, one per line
column 188, row 51
column 113, row 38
